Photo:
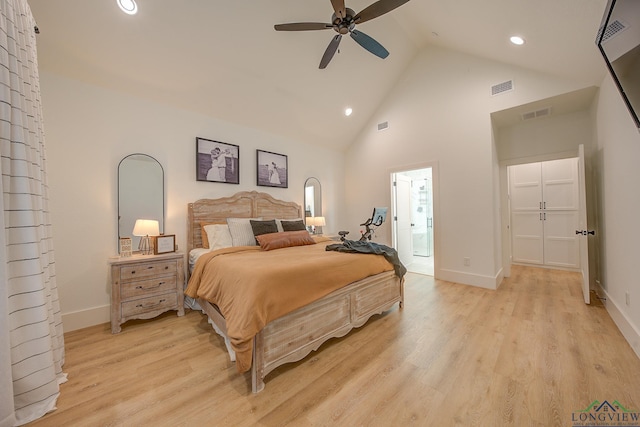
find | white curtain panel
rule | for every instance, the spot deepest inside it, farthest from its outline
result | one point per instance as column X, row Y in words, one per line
column 31, row 325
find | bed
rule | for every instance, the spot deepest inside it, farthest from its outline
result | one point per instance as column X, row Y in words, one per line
column 294, row 335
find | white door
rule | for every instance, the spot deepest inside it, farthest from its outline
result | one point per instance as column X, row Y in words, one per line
column 560, row 212
column 560, row 240
column 559, row 184
column 527, row 237
column 582, row 226
column 404, row 234
column 525, row 192
column 525, row 182
column 544, row 213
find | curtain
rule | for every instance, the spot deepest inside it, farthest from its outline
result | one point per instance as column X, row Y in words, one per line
column 31, row 325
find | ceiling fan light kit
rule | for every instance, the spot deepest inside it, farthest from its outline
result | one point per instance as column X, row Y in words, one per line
column 344, row 21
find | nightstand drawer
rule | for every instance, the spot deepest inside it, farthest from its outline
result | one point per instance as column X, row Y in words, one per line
column 157, row 285
column 148, row 269
column 144, row 305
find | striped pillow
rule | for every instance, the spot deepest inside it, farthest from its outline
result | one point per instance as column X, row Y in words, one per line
column 241, row 231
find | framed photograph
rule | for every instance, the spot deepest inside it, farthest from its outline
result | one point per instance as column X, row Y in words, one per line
column 217, row 161
column 164, row 244
column 125, row 247
column 272, row 169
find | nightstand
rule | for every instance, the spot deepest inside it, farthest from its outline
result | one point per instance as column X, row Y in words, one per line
column 144, row 286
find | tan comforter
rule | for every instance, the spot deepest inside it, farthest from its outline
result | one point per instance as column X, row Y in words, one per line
column 252, row 287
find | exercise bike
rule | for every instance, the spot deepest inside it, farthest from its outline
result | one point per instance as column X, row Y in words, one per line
column 377, row 218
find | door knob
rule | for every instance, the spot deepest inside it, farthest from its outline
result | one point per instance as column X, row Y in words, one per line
column 585, row 232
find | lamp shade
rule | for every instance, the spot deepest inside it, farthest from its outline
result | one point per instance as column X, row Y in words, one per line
column 316, row 221
column 146, row 227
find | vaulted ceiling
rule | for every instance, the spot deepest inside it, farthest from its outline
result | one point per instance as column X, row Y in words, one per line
column 225, row 60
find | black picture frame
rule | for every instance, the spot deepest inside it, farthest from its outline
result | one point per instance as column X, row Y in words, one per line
column 209, row 151
column 272, row 169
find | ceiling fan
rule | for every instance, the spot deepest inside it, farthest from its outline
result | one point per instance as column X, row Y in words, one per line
column 343, row 21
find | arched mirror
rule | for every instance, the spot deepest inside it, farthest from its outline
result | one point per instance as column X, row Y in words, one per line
column 140, row 193
column 312, row 200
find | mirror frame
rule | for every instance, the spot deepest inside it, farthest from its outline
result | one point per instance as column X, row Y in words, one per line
column 119, row 217
column 309, row 182
column 614, row 11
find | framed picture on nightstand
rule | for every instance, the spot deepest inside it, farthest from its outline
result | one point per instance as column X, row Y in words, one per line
column 164, row 244
column 125, row 246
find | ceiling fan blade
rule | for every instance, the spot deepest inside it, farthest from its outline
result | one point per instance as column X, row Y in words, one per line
column 331, row 50
column 377, row 9
column 302, row 26
column 339, row 8
column 369, row 43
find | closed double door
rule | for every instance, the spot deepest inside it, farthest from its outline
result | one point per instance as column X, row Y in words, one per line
column 544, row 199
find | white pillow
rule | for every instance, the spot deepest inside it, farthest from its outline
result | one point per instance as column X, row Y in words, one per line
column 241, row 231
column 219, row 236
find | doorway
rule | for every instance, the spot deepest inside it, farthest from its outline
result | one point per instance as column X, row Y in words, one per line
column 561, row 245
column 413, row 199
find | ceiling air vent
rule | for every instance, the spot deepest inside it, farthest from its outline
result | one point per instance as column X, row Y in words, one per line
column 613, row 29
column 383, row 125
column 502, row 88
column 535, row 114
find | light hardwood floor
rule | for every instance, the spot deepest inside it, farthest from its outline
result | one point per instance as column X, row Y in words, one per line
column 530, row 353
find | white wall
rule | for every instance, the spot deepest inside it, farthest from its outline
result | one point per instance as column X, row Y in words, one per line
column 440, row 112
column 545, row 138
column 90, row 129
column 618, row 157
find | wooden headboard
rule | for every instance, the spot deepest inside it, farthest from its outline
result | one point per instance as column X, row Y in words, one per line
column 245, row 204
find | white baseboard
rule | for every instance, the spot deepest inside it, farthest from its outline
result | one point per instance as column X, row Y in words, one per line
column 487, row 282
column 85, row 318
column 629, row 331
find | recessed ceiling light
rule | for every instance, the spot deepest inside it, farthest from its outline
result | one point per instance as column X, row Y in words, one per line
column 348, row 111
column 517, row 40
column 128, row 6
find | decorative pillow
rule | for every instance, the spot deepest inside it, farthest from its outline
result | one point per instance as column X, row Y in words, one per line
column 203, row 231
column 241, row 231
column 296, row 225
column 279, row 223
column 263, row 227
column 217, row 235
column 285, row 239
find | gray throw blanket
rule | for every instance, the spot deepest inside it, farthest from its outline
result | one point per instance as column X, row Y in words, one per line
column 357, row 246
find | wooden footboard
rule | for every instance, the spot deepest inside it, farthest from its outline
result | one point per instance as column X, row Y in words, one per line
column 292, row 337
column 295, row 335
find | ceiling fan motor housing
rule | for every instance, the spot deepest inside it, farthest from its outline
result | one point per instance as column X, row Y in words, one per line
column 344, row 25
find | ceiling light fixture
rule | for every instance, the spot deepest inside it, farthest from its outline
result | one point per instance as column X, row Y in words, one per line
column 348, row 111
column 517, row 40
column 128, row 6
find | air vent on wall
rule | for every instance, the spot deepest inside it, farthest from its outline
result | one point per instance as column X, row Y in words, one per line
column 535, row 114
column 613, row 29
column 502, row 87
column 383, row 125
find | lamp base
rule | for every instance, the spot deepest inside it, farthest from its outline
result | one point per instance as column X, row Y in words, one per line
column 145, row 245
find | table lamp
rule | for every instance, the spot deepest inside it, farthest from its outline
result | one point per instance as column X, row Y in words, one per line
column 316, row 221
column 145, row 228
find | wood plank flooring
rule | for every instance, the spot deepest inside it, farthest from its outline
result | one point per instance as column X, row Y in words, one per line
column 529, row 354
